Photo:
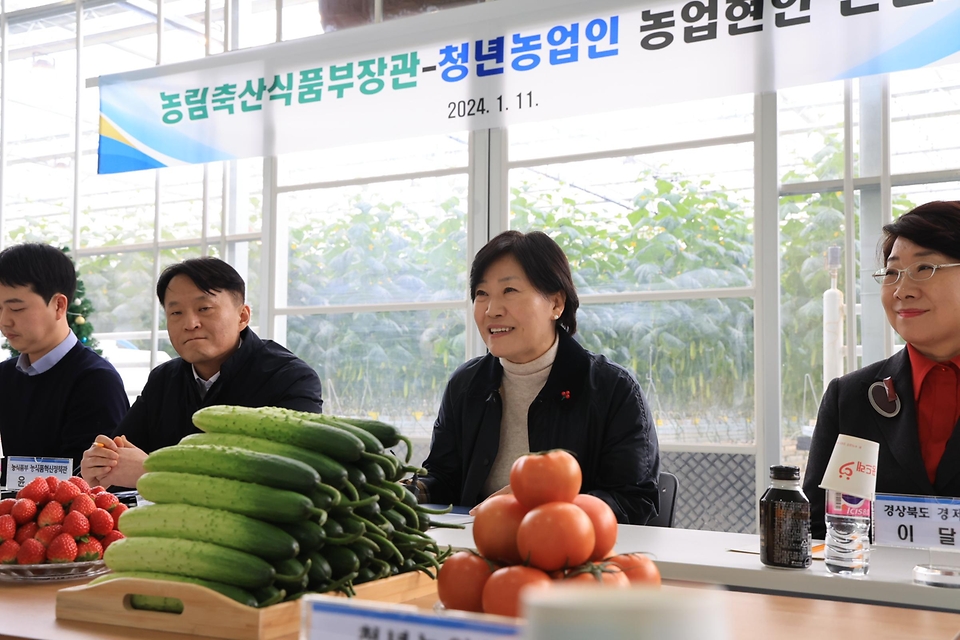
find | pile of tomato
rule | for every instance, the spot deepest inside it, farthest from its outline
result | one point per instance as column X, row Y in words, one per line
column 543, row 532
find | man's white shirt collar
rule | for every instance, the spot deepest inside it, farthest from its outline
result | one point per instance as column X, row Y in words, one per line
column 208, row 383
column 48, row 361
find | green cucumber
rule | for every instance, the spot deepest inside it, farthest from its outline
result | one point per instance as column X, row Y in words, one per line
column 234, row 593
column 372, row 471
column 342, row 560
column 320, row 571
column 331, row 472
column 308, row 533
column 220, row 527
column 156, row 603
column 189, row 558
column 370, row 442
column 237, row 464
column 387, row 434
column 270, row 423
column 292, row 574
column 245, row 498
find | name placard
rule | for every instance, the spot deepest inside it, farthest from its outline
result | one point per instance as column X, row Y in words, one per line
column 927, row 522
column 330, row 618
column 21, row 470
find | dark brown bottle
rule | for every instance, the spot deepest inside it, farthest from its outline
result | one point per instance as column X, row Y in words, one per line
column 785, row 521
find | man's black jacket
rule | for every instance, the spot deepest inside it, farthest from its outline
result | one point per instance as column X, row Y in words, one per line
column 589, row 406
column 260, row 373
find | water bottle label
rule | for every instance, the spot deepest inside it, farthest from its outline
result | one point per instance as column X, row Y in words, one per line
column 841, row 504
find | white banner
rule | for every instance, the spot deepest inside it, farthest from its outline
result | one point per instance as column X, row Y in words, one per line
column 499, row 63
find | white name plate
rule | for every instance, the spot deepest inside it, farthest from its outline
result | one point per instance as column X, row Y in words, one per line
column 22, row 470
column 927, row 522
column 330, row 618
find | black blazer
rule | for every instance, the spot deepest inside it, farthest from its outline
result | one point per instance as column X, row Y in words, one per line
column 261, row 373
column 846, row 408
column 589, row 406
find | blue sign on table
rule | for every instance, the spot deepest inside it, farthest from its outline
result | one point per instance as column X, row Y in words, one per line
column 332, row 618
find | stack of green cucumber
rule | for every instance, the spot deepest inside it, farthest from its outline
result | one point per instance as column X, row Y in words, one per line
column 267, row 504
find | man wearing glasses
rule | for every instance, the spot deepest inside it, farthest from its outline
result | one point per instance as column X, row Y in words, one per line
column 909, row 403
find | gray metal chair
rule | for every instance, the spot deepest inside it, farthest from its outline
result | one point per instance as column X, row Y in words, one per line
column 669, row 486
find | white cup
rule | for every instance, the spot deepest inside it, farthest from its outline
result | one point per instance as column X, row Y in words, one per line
column 853, row 467
column 568, row 612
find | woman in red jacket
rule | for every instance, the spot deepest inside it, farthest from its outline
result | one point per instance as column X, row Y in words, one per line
column 916, row 424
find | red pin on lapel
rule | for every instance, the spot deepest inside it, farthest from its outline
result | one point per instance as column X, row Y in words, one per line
column 883, row 398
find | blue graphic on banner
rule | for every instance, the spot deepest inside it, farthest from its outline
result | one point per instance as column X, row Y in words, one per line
column 933, row 44
column 130, row 142
column 117, row 157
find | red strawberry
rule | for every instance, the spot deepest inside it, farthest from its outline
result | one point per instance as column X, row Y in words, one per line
column 53, row 482
column 84, row 504
column 66, row 492
column 8, row 552
column 31, row 551
column 37, row 490
column 8, row 527
column 76, row 524
column 101, row 522
column 24, row 510
column 89, row 550
column 117, row 512
column 6, row 505
column 52, row 513
column 26, row 531
column 80, row 482
column 97, row 490
column 107, row 501
column 63, row 548
column 110, row 538
column 47, row 534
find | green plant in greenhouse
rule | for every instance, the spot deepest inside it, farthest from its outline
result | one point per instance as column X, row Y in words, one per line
column 692, row 356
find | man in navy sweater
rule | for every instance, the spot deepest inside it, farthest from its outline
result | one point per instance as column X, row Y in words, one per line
column 221, row 362
column 58, row 394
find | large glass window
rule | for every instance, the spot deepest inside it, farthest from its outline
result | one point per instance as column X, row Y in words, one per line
column 674, row 223
column 923, row 127
column 379, row 264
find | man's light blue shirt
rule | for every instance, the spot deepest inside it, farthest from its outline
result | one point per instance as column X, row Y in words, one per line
column 48, row 361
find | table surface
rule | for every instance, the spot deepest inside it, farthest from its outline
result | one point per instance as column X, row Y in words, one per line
column 733, row 560
column 28, row 612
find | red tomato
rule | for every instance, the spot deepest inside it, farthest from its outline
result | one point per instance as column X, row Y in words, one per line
column 605, row 574
column 604, row 524
column 501, row 594
column 461, row 580
column 639, row 568
column 555, row 535
column 495, row 528
column 551, row 476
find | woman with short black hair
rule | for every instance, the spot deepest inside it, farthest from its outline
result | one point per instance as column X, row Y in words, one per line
column 538, row 389
column 910, row 402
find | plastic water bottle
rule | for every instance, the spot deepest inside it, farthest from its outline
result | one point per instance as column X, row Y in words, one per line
column 848, row 519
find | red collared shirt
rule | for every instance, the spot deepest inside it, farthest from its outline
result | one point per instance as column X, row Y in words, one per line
column 936, row 389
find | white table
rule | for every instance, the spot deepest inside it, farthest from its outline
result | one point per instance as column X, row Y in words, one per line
column 733, row 560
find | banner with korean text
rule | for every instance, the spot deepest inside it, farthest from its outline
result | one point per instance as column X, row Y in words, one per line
column 499, row 63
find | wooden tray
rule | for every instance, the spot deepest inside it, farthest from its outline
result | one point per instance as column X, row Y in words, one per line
column 208, row 613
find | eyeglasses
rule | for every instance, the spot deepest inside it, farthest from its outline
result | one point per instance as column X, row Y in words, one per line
column 918, row 272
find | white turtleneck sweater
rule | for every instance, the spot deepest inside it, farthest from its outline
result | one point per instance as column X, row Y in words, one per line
column 519, row 388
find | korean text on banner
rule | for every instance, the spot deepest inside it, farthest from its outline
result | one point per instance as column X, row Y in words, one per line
column 499, row 63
